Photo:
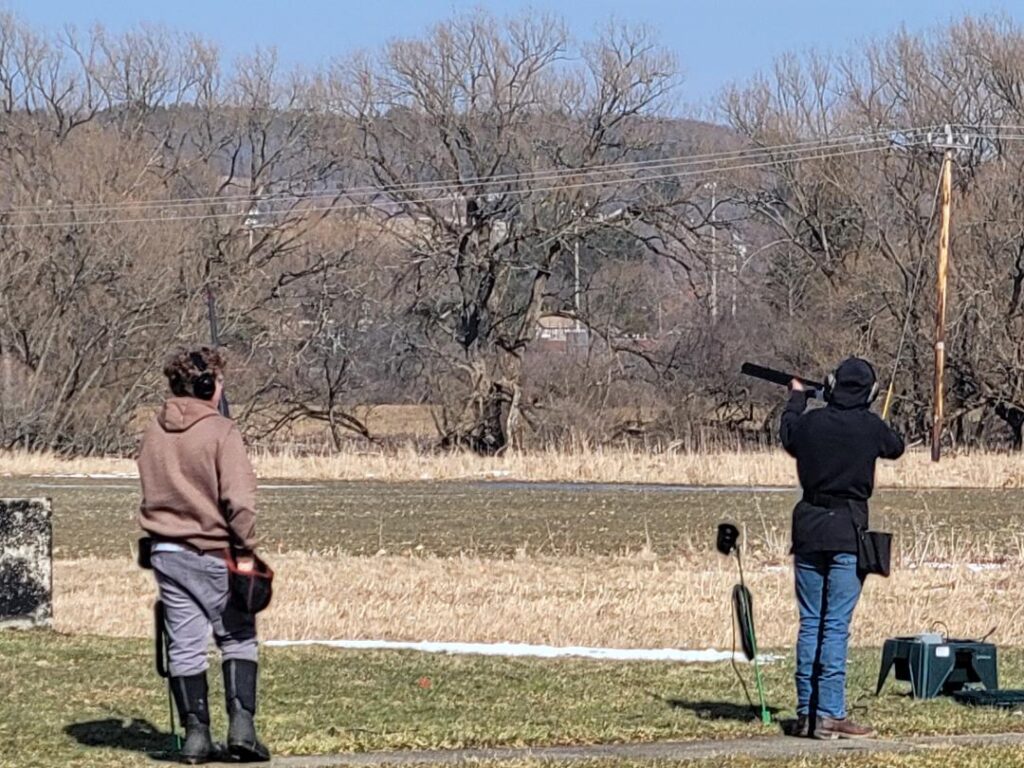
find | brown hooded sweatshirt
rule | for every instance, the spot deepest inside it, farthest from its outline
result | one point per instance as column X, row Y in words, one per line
column 198, row 486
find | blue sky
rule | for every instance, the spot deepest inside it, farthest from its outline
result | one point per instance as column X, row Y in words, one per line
column 717, row 41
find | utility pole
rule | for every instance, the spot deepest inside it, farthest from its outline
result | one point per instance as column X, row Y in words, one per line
column 941, row 278
column 211, row 309
column 252, row 221
column 576, row 273
column 738, row 249
column 735, row 268
column 714, row 252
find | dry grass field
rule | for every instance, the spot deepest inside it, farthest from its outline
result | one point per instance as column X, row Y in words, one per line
column 722, row 467
column 642, row 601
column 564, row 564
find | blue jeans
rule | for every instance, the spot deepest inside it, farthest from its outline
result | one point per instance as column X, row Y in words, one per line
column 827, row 589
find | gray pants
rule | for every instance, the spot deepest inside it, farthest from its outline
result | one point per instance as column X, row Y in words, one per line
column 194, row 590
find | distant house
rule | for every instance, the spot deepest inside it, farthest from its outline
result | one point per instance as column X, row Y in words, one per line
column 557, row 333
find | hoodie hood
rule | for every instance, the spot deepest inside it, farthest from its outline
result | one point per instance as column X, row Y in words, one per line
column 181, row 413
column 854, row 379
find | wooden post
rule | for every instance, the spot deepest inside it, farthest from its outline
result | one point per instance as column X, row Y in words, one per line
column 940, row 304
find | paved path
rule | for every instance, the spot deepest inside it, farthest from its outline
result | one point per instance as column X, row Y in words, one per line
column 762, row 747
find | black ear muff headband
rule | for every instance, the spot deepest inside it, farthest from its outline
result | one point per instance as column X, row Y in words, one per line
column 203, row 385
column 830, row 383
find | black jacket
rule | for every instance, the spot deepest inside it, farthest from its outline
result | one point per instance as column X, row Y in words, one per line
column 836, row 448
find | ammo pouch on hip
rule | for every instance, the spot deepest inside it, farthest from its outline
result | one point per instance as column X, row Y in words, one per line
column 145, row 556
column 250, row 591
column 874, row 552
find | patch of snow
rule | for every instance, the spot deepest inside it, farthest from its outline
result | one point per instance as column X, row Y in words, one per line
column 943, row 566
column 709, row 655
column 83, row 486
column 979, row 567
column 90, row 475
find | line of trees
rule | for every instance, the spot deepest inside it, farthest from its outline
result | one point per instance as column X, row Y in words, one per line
column 396, row 227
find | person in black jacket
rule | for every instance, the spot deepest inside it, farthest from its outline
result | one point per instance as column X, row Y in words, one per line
column 835, row 448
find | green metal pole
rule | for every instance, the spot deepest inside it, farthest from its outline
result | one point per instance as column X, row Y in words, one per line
column 766, row 715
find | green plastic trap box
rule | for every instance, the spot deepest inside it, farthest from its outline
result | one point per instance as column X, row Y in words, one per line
column 935, row 666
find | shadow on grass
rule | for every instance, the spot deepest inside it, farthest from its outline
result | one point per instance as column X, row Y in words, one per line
column 720, row 710
column 131, row 735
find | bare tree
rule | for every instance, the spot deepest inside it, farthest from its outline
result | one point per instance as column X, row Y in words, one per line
column 478, row 114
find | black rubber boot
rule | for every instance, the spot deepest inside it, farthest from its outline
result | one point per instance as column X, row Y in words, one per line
column 240, row 693
column 190, row 694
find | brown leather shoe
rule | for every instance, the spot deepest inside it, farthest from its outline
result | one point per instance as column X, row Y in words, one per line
column 828, row 728
column 801, row 727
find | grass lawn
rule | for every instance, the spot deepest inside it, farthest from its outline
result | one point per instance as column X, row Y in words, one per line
column 944, row 758
column 96, row 518
column 82, row 701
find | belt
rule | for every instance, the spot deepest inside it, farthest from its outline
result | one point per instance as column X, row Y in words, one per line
column 219, row 552
column 828, row 501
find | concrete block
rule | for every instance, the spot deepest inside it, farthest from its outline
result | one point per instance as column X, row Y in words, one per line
column 26, row 563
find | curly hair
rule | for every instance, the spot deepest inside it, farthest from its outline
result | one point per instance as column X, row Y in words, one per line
column 183, row 367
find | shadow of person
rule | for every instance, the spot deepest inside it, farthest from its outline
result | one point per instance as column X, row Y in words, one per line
column 132, row 735
column 720, row 710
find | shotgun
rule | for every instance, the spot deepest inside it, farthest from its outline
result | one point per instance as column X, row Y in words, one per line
column 782, row 378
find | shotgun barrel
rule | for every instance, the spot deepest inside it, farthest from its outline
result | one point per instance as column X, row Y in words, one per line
column 779, row 377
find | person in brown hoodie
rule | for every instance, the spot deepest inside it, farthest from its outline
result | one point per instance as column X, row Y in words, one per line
column 198, row 507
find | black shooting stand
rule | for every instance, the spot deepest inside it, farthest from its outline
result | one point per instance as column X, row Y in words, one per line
column 935, row 666
column 727, row 543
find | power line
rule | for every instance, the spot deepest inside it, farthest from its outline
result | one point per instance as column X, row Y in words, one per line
column 846, row 152
column 446, row 198
column 682, row 160
column 551, row 174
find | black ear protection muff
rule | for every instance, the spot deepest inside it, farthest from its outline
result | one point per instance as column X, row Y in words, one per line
column 204, row 385
column 830, row 383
